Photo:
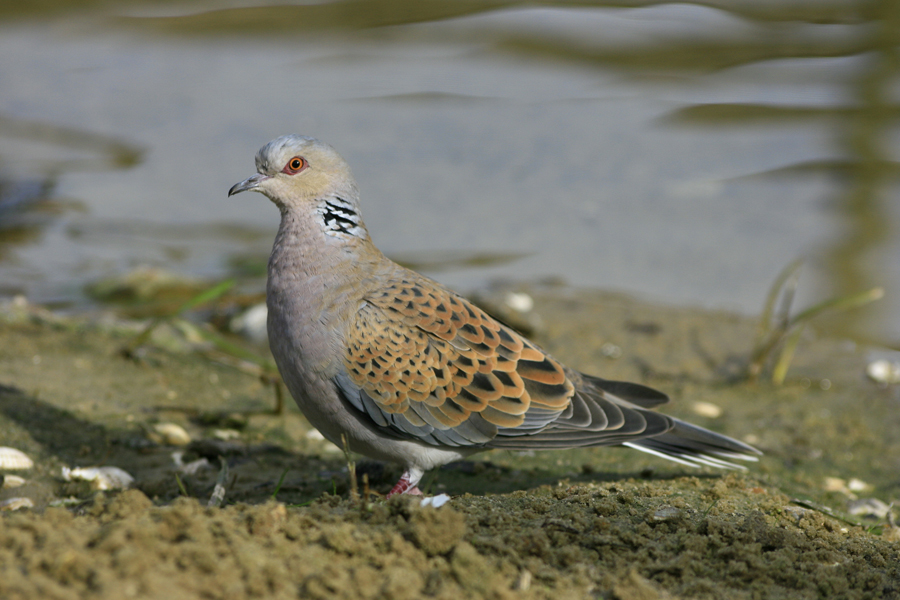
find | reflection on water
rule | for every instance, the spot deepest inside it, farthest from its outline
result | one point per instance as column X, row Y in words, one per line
column 857, row 120
column 28, row 201
column 344, row 15
column 866, row 194
column 861, row 127
column 23, row 205
column 106, row 152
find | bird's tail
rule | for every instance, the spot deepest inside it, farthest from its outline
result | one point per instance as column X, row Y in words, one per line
column 695, row 446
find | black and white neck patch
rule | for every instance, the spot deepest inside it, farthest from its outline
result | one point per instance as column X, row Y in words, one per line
column 340, row 217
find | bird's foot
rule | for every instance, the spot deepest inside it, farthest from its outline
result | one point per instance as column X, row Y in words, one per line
column 407, row 484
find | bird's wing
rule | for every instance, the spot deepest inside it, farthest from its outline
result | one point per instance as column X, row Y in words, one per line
column 426, row 364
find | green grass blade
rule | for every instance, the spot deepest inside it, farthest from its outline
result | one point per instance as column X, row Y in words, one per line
column 181, row 487
column 280, row 483
column 201, row 298
column 205, row 296
column 223, row 345
column 765, row 321
column 839, row 303
column 787, row 355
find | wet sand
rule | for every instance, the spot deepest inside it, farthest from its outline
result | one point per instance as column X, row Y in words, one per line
column 606, row 522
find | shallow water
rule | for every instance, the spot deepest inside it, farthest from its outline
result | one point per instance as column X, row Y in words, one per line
column 683, row 153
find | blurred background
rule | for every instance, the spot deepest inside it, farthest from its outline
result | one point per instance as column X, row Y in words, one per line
column 684, row 153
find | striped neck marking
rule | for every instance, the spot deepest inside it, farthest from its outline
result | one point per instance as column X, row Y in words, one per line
column 340, row 218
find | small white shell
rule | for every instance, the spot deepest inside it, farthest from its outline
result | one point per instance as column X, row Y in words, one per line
column 252, row 323
column 226, row 434
column 16, row 503
column 835, row 484
column 68, row 501
column 610, row 350
column 12, row 481
column 858, row 485
column 706, row 409
column 869, row 507
column 884, row 372
column 523, row 584
column 101, row 478
column 667, row 513
column 12, row 459
column 435, row 501
column 194, row 466
column 519, row 302
column 172, row 434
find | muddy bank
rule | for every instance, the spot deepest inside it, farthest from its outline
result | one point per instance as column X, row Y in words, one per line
column 605, row 522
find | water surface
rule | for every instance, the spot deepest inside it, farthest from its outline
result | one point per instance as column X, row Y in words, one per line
column 681, row 152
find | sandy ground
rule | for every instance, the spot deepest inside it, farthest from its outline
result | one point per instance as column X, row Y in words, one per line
column 606, row 522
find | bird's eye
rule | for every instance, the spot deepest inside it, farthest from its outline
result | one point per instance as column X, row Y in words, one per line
column 295, row 165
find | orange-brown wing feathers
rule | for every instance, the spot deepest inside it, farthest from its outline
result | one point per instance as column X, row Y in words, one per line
column 420, row 350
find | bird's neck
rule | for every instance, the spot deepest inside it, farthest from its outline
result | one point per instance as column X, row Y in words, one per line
column 324, row 236
column 339, row 217
column 318, row 275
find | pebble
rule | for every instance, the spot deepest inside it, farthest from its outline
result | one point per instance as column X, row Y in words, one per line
column 523, row 584
column 796, row 511
column 315, row 434
column 858, row 485
column 11, row 481
column 190, row 468
column 435, row 501
column 194, row 466
column 64, row 502
column 16, row 503
column 519, row 301
column 706, row 409
column 869, row 507
column 226, row 434
column 172, row 434
column 884, row 372
column 252, row 324
column 101, row 478
column 836, row 484
column 666, row 513
column 610, row 350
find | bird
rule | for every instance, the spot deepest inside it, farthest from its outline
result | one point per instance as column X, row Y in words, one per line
column 400, row 368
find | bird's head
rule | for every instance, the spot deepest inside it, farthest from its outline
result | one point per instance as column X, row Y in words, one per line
column 293, row 170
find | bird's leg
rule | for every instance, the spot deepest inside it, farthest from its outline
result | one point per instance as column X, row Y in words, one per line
column 408, row 482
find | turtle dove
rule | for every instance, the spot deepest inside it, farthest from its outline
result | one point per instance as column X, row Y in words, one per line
column 409, row 371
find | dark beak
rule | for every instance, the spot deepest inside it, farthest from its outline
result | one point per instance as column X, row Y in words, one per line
column 251, row 183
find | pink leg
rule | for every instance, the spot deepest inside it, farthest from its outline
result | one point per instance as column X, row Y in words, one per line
column 407, row 484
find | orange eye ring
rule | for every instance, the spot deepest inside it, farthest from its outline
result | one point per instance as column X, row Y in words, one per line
column 295, row 165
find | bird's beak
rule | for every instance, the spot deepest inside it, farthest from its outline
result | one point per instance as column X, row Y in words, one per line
column 251, row 183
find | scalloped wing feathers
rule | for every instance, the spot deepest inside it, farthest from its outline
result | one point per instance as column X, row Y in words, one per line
column 426, row 364
column 416, row 345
